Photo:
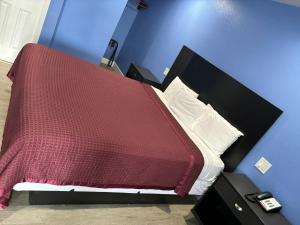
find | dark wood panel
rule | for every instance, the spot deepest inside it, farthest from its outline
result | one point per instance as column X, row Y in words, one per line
column 60, row 197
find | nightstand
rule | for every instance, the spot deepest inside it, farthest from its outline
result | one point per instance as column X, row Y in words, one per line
column 224, row 203
column 143, row 75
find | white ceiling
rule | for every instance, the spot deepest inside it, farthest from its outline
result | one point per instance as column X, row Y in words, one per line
column 289, row 2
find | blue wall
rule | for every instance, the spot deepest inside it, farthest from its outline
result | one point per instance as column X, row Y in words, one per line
column 124, row 26
column 84, row 28
column 258, row 43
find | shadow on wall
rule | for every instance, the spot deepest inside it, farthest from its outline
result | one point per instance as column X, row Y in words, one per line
column 124, row 25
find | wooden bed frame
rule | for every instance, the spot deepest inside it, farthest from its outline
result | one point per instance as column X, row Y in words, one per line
column 243, row 108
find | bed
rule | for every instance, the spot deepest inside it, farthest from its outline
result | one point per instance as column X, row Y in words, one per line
column 212, row 167
column 63, row 110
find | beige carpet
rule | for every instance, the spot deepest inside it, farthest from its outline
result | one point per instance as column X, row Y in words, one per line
column 20, row 213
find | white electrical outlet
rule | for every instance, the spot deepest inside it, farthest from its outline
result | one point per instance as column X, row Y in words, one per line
column 263, row 165
column 166, row 71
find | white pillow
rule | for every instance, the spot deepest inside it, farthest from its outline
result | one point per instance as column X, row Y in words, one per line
column 186, row 107
column 175, row 87
column 216, row 132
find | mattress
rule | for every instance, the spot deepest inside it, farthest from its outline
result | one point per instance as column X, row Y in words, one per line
column 213, row 166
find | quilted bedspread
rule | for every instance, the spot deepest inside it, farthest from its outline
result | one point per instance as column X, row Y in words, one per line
column 73, row 123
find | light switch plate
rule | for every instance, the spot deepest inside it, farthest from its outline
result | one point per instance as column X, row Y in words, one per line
column 263, row 165
column 166, row 71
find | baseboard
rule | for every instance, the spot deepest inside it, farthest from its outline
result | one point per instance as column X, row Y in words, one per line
column 118, row 68
column 114, row 65
column 5, row 62
column 104, row 61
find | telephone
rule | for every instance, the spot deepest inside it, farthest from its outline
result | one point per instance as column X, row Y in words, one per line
column 265, row 200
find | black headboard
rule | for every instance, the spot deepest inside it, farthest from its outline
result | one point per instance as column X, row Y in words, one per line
column 243, row 108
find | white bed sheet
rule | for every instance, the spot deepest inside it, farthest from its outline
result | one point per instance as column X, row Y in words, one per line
column 213, row 166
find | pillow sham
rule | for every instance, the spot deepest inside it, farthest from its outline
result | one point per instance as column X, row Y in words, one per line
column 175, row 87
column 186, row 107
column 216, row 132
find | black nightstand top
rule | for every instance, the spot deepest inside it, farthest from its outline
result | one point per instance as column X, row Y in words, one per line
column 143, row 75
column 147, row 74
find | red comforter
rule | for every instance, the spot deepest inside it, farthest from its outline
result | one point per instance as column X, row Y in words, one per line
column 73, row 123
